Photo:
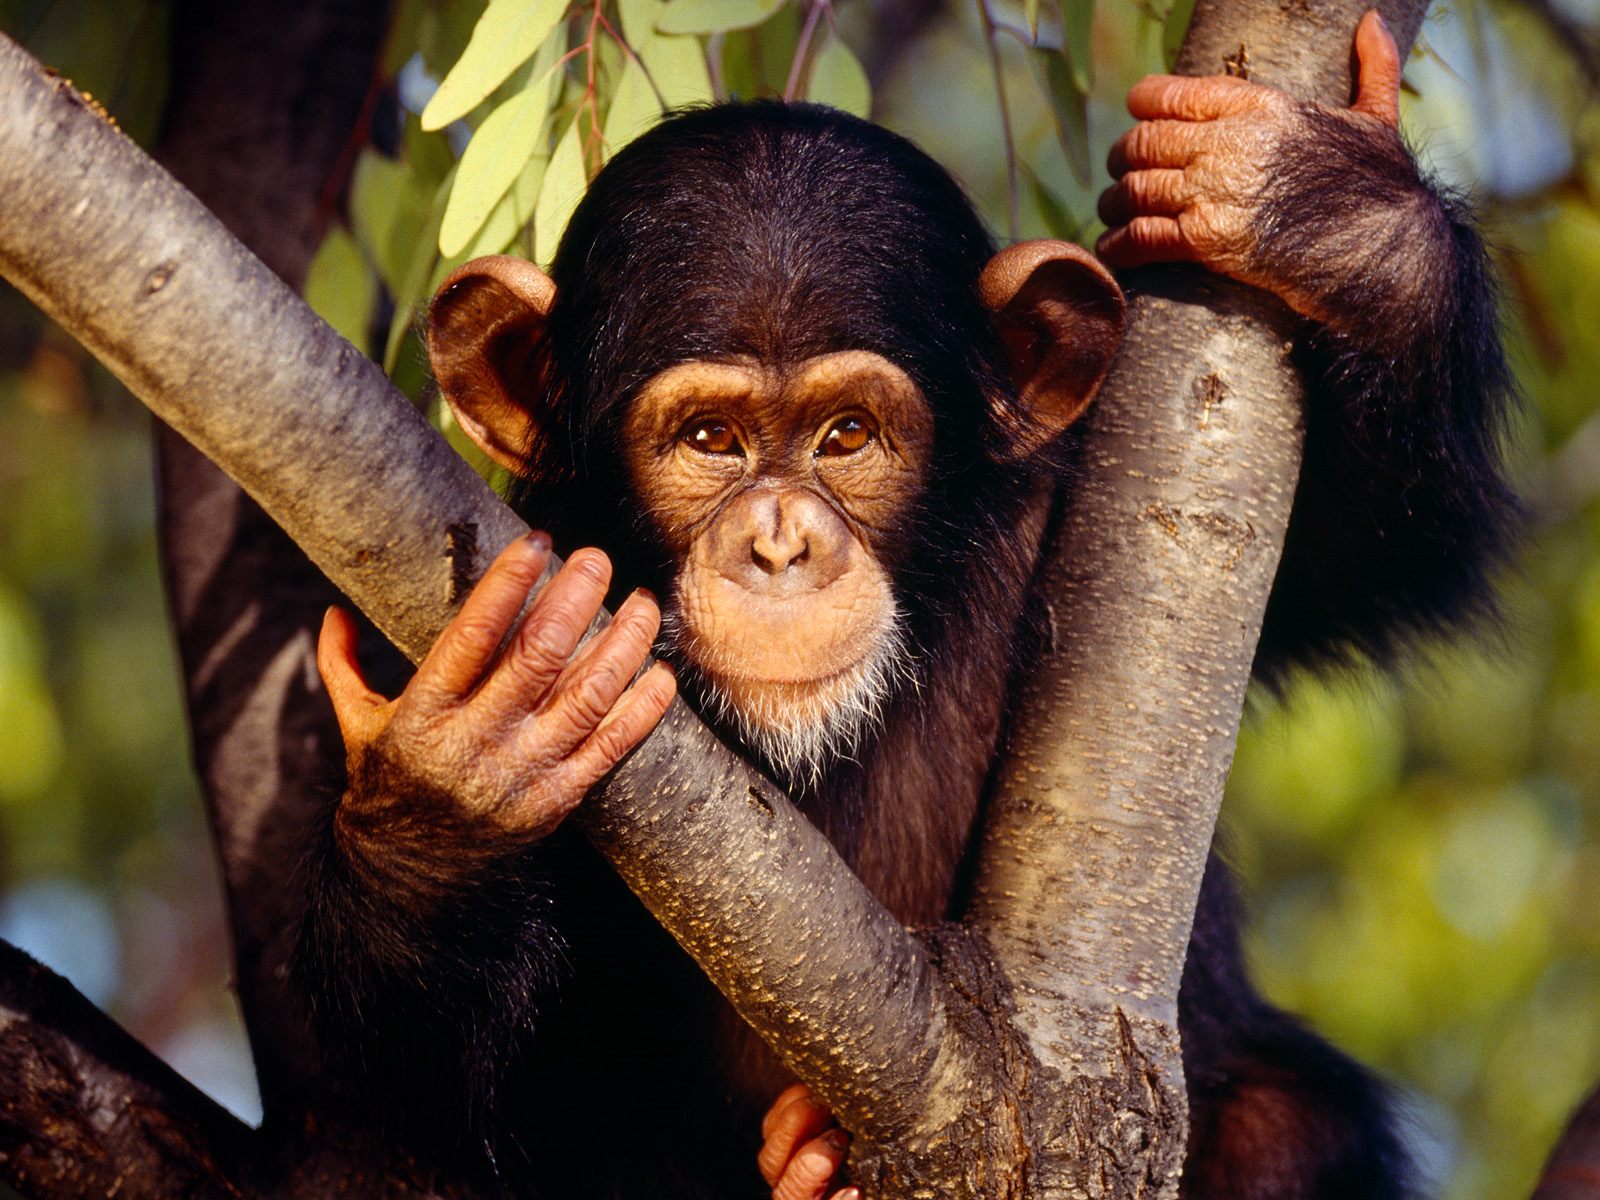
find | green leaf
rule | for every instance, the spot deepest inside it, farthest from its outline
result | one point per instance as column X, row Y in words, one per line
column 837, row 78
column 413, row 288
column 339, row 286
column 634, row 108
column 564, row 185
column 1069, row 108
column 676, row 65
column 1177, row 24
column 379, row 189
column 714, row 16
column 1059, row 222
column 506, row 36
column 638, row 19
column 1030, row 13
column 446, row 30
column 513, row 212
column 510, row 136
column 1077, row 22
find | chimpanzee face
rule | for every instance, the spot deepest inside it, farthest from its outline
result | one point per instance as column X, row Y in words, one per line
column 780, row 383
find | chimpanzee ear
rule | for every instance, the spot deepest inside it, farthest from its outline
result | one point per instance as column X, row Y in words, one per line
column 1060, row 314
column 483, row 343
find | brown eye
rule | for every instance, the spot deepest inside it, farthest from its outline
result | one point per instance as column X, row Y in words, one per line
column 712, row 437
column 846, row 437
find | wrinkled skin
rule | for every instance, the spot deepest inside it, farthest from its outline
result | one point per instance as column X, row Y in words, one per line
column 1189, row 180
column 515, row 735
column 1190, row 175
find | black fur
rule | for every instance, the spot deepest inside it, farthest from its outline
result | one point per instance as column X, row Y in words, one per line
column 1403, row 510
column 785, row 231
column 1276, row 1112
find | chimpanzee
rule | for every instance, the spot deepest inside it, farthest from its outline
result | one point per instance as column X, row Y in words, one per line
column 781, row 374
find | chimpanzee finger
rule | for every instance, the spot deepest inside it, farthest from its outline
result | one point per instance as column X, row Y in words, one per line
column 811, row 1172
column 1194, row 98
column 627, row 724
column 794, row 1119
column 539, row 650
column 1155, row 193
column 355, row 705
column 468, row 645
column 1158, row 144
column 1144, row 240
column 794, row 1092
column 591, row 683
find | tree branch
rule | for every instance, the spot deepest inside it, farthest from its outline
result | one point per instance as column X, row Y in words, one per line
column 1096, row 840
column 289, row 83
column 85, row 1110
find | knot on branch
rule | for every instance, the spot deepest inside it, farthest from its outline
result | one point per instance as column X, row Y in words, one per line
column 1123, row 1133
column 1113, row 1129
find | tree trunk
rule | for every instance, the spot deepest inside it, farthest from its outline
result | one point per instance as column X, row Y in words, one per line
column 266, row 108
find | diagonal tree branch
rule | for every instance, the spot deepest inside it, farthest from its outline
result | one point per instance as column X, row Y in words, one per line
column 85, row 1110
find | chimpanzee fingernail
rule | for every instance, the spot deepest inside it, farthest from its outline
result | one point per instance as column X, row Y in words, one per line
column 646, row 594
column 838, row 1139
column 1382, row 24
column 538, row 539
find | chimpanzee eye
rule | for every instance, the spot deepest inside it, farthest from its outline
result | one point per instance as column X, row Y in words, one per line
column 712, row 437
column 846, row 436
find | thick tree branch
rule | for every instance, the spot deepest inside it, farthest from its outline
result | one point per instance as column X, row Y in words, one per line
column 1097, row 838
column 87, row 1111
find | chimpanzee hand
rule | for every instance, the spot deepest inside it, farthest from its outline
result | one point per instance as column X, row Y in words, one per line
column 802, row 1149
column 1197, row 177
column 511, row 736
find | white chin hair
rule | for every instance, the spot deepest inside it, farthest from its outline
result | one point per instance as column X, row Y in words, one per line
column 800, row 737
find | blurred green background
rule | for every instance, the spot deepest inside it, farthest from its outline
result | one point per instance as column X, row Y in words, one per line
column 1421, row 855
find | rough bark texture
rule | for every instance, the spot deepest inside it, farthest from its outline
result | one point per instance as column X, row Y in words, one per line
column 1573, row 1172
column 267, row 104
column 87, row 1111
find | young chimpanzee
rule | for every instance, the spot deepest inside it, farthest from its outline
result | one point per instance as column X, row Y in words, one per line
column 782, row 376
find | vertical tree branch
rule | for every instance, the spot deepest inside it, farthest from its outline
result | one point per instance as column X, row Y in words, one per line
column 267, row 98
column 1097, row 838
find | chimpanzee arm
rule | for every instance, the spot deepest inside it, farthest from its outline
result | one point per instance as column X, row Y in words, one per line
column 427, row 946
column 1402, row 512
column 428, row 941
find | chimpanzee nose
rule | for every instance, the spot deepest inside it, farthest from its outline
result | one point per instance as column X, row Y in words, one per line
column 781, row 547
column 780, row 542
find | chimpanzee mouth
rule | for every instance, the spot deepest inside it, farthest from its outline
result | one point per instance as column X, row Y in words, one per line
column 797, row 728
